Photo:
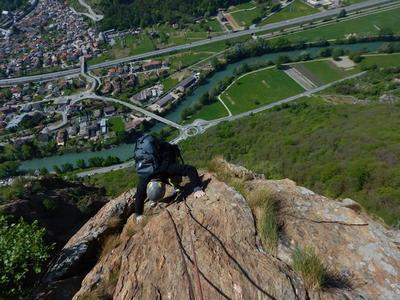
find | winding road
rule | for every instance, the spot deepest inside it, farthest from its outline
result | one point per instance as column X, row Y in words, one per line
column 91, row 14
column 90, row 94
column 274, row 26
column 200, row 126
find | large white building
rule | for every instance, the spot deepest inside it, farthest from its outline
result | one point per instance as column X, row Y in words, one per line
column 321, row 2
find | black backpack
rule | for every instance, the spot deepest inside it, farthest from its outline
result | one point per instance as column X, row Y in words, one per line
column 146, row 153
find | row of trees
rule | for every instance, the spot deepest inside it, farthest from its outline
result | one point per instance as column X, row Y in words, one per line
column 124, row 14
column 93, row 162
column 253, row 48
column 9, row 169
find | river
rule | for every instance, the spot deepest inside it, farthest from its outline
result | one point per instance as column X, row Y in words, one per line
column 125, row 151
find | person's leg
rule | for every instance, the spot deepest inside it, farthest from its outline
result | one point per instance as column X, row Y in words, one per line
column 140, row 196
column 173, row 170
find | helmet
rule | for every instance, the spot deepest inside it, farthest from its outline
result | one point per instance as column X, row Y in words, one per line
column 155, row 190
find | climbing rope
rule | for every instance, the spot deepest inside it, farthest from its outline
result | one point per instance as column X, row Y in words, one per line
column 190, row 286
column 196, row 266
column 195, row 263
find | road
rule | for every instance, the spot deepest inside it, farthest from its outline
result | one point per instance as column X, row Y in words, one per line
column 89, row 95
column 124, row 165
column 201, row 126
column 92, row 15
column 208, row 124
column 134, row 107
column 274, row 26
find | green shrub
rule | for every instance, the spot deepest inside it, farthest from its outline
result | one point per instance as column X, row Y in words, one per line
column 310, row 267
column 22, row 254
column 267, row 223
column 49, row 204
column 12, row 192
column 330, row 149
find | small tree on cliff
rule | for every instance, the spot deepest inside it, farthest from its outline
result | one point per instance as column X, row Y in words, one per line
column 22, row 254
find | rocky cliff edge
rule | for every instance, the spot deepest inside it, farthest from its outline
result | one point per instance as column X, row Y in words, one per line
column 217, row 246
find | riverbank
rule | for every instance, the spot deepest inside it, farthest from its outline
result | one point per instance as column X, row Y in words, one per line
column 125, row 151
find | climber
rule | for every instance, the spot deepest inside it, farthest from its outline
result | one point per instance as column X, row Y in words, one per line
column 157, row 161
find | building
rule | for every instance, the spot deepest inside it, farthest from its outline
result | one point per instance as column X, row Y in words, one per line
column 187, row 82
column 320, row 2
column 73, row 131
column 165, row 100
column 141, row 96
column 83, row 130
column 109, row 111
column 103, row 126
column 221, row 17
column 151, row 93
column 92, row 130
column 61, row 137
column 15, row 121
column 152, row 65
column 160, row 105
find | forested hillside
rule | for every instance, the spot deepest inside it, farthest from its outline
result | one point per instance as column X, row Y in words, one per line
column 11, row 4
column 336, row 150
column 133, row 13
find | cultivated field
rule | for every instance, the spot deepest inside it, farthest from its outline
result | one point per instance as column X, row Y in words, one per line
column 259, row 88
column 209, row 112
column 246, row 17
column 321, row 72
column 297, row 9
column 363, row 26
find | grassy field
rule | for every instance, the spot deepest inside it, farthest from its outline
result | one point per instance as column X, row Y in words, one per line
column 115, row 182
column 186, row 37
column 296, row 9
column 363, row 26
column 137, row 45
column 336, row 150
column 209, row 112
column 185, row 59
column 214, row 25
column 169, row 83
column 323, row 72
column 127, row 46
column 259, row 88
column 117, row 124
column 246, row 17
column 385, row 60
column 246, row 5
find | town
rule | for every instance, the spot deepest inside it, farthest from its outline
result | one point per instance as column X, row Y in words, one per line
column 63, row 112
column 102, row 107
column 50, row 37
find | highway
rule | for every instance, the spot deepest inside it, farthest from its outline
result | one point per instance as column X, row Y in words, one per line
column 275, row 26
